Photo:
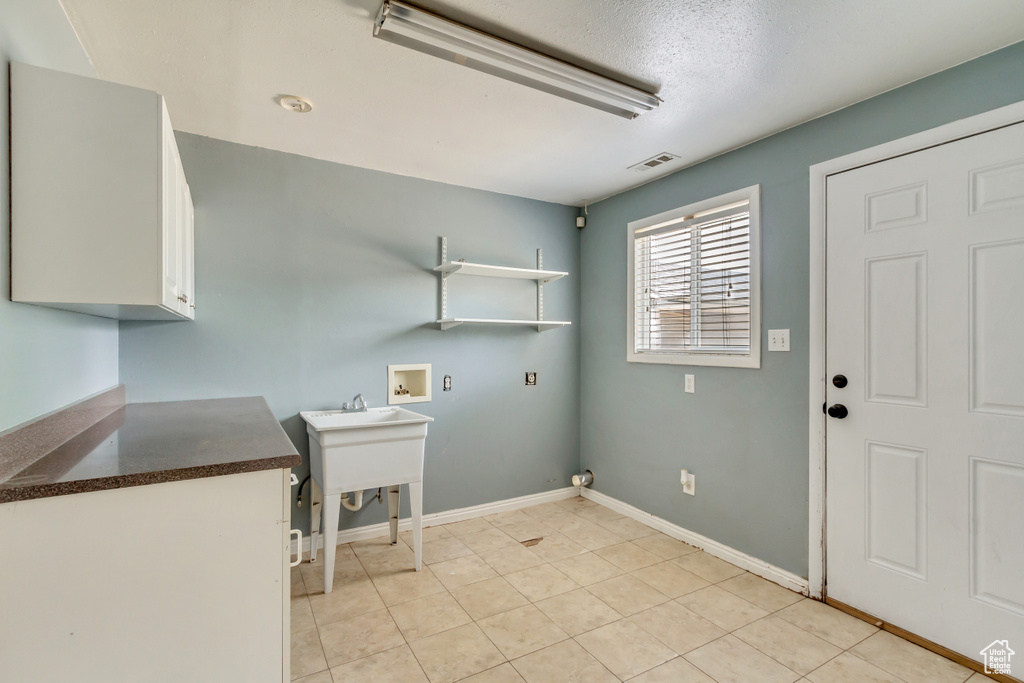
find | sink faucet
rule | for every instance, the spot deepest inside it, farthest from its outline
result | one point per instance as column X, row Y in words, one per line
column 358, row 405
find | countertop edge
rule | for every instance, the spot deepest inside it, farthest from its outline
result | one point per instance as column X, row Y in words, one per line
column 247, row 438
column 24, row 493
column 29, row 442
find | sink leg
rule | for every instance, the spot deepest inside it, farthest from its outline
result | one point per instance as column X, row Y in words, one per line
column 332, row 516
column 314, row 519
column 394, row 505
column 416, row 503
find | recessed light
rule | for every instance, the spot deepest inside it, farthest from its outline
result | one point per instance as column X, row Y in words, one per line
column 299, row 105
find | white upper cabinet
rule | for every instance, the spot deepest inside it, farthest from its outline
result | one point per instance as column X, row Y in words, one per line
column 101, row 214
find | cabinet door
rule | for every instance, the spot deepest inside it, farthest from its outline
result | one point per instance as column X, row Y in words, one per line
column 96, row 206
column 188, row 305
column 200, row 593
column 171, row 242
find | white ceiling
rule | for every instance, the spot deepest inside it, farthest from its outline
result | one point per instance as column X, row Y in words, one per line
column 729, row 71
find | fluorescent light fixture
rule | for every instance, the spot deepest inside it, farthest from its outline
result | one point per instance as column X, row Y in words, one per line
column 420, row 30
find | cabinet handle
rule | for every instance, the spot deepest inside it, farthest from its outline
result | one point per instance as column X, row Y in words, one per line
column 298, row 560
column 183, row 298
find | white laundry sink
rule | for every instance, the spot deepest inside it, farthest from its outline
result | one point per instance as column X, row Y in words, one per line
column 356, row 451
column 329, row 420
column 353, row 451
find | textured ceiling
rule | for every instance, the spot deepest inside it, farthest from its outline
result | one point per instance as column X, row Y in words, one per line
column 729, row 71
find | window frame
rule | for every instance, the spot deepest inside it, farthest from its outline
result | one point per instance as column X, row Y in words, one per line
column 751, row 360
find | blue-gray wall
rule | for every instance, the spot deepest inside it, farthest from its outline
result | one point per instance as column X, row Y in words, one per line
column 312, row 277
column 744, row 432
column 48, row 358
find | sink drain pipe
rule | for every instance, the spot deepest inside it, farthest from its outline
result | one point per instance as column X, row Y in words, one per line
column 357, row 501
column 583, row 479
column 354, row 506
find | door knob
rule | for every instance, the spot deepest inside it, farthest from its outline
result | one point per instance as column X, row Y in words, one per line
column 839, row 381
column 838, row 411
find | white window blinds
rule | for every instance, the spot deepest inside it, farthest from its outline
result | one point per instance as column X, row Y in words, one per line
column 692, row 284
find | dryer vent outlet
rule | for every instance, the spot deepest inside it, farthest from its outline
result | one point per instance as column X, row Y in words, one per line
column 584, row 479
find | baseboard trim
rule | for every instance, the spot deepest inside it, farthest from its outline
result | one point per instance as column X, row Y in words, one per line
column 752, row 564
column 784, row 578
column 361, row 533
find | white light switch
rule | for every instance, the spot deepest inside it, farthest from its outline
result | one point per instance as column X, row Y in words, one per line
column 689, row 482
column 778, row 340
column 690, row 386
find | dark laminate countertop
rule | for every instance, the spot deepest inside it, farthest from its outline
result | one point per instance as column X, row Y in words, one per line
column 150, row 443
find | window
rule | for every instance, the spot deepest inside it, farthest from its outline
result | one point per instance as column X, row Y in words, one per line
column 694, row 279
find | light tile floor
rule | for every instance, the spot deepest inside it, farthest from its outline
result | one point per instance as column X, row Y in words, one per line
column 599, row 598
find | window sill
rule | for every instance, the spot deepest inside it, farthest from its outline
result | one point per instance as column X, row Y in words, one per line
column 753, row 361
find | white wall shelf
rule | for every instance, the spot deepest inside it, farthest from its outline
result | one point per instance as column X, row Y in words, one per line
column 484, row 270
column 541, row 276
column 541, row 325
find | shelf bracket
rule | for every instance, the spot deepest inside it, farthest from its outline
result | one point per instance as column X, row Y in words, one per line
column 444, row 279
column 540, row 286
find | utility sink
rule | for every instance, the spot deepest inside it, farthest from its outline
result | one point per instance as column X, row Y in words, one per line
column 353, row 451
column 336, row 419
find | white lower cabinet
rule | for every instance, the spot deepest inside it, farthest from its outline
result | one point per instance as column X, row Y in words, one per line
column 101, row 213
column 177, row 581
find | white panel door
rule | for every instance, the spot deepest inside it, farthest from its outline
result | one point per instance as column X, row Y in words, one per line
column 925, row 320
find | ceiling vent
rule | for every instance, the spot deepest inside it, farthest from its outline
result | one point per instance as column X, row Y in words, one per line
column 654, row 162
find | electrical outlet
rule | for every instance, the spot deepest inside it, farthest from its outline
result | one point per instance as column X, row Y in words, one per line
column 778, row 340
column 447, row 382
column 689, row 482
column 531, row 379
column 690, row 386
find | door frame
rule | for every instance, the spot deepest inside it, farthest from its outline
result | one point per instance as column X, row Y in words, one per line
column 819, row 173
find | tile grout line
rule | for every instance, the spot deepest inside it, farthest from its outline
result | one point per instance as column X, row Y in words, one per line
column 550, row 564
column 472, row 620
column 408, row 644
column 530, row 602
column 682, row 655
column 775, row 659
